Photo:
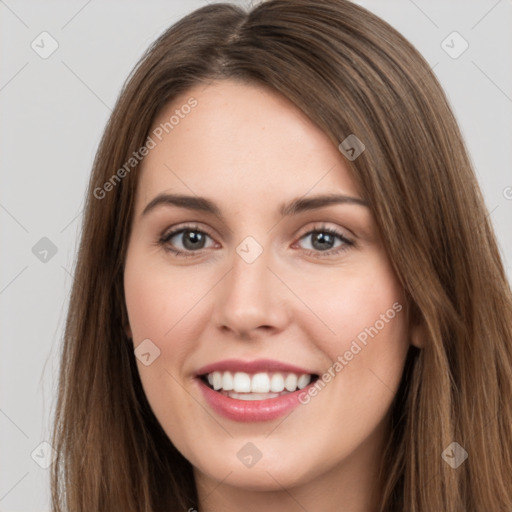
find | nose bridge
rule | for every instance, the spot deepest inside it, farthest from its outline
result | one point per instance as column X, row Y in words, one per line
column 251, row 294
column 249, row 277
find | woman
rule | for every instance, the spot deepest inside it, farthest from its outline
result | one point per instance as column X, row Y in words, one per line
column 334, row 330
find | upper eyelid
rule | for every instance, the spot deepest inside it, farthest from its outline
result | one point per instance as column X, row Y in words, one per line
column 187, row 227
column 324, row 227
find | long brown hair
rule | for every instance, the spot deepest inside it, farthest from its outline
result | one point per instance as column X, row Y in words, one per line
column 351, row 73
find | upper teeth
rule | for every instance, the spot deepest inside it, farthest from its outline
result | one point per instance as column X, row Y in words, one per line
column 263, row 382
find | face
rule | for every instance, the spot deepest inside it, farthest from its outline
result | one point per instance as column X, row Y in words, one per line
column 270, row 329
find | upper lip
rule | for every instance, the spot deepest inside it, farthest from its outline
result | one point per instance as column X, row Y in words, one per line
column 258, row 365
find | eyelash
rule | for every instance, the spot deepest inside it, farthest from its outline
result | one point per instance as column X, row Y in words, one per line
column 163, row 241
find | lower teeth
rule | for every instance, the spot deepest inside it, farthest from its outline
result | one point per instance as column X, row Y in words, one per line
column 252, row 396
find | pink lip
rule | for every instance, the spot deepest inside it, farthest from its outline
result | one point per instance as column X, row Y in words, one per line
column 251, row 411
column 259, row 365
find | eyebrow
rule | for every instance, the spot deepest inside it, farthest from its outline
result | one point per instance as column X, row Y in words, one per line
column 294, row 207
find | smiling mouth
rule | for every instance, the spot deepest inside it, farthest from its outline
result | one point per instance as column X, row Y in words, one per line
column 256, row 386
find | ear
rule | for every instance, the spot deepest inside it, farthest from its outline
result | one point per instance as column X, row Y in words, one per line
column 417, row 329
column 418, row 335
column 125, row 322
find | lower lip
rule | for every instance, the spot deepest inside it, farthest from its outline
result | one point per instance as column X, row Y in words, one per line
column 251, row 410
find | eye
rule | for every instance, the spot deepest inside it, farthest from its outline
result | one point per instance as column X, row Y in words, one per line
column 191, row 238
column 326, row 240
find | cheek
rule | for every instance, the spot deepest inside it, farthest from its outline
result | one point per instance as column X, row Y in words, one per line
column 368, row 338
column 167, row 306
column 163, row 307
column 367, row 353
column 358, row 303
column 159, row 299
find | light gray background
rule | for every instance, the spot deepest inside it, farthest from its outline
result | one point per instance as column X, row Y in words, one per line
column 53, row 112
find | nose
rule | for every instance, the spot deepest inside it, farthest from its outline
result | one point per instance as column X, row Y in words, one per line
column 251, row 300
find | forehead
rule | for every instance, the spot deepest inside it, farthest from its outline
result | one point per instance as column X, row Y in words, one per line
column 239, row 142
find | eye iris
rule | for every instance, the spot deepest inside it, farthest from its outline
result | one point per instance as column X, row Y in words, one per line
column 322, row 238
column 193, row 240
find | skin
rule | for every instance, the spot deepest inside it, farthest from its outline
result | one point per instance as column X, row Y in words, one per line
column 249, row 150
